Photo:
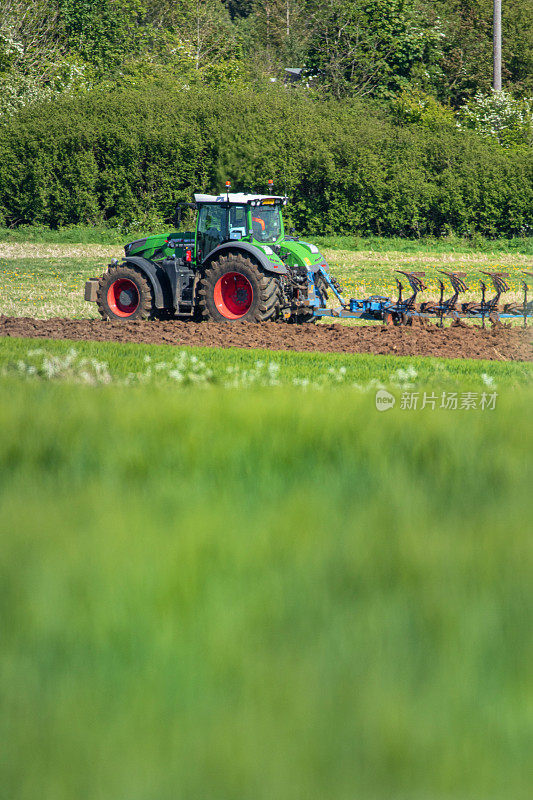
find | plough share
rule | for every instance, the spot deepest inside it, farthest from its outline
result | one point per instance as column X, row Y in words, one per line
column 405, row 310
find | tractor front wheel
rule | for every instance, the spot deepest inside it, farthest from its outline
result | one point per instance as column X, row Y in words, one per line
column 124, row 294
column 234, row 288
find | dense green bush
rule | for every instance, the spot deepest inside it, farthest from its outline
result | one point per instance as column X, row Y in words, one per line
column 126, row 157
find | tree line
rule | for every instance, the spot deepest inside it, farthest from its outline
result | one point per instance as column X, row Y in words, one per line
column 113, row 110
column 347, row 48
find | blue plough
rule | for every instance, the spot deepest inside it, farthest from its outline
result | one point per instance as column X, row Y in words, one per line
column 405, row 310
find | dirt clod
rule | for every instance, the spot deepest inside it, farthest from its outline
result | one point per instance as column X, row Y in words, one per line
column 501, row 344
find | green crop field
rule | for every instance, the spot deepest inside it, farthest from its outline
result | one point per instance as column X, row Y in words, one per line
column 263, row 592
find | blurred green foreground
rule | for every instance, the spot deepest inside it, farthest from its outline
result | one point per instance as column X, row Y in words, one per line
column 262, row 595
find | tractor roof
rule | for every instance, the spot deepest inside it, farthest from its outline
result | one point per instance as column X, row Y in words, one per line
column 238, row 198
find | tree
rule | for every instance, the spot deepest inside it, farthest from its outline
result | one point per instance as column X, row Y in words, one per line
column 34, row 62
column 369, row 48
column 102, row 32
column 203, row 27
column 467, row 47
column 276, row 33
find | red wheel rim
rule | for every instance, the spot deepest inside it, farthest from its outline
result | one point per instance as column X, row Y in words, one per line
column 233, row 295
column 123, row 297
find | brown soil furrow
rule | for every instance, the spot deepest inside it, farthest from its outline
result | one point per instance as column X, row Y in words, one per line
column 499, row 343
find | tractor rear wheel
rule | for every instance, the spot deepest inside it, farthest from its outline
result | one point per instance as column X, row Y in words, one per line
column 124, row 294
column 234, row 288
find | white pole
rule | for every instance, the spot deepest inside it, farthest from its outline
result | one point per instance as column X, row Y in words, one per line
column 497, row 49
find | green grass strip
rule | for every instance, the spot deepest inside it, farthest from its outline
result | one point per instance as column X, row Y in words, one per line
column 102, row 234
column 244, row 367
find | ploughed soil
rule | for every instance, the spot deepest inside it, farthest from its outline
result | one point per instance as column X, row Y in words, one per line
column 497, row 343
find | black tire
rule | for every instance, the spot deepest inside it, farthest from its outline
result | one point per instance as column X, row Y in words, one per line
column 254, row 294
column 130, row 299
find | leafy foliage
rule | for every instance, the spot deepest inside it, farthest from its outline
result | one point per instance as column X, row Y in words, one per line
column 371, row 47
column 34, row 66
column 466, row 61
column 100, row 30
column 500, row 116
column 347, row 48
column 128, row 156
column 420, row 107
column 128, row 105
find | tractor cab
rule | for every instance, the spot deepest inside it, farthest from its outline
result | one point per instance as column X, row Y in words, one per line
column 236, row 217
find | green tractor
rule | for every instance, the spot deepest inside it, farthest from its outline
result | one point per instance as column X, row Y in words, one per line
column 237, row 265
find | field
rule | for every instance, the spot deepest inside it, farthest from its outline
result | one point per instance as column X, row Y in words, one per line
column 256, row 594
column 45, row 279
column 226, row 575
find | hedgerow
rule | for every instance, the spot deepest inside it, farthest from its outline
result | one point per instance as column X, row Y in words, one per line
column 126, row 158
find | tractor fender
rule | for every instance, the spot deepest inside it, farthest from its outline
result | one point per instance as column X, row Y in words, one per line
column 150, row 270
column 276, row 269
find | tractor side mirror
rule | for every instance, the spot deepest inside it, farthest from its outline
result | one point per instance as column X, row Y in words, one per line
column 176, row 219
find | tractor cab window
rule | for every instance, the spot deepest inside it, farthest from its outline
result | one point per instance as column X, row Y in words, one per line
column 212, row 227
column 266, row 222
column 212, row 221
column 237, row 222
